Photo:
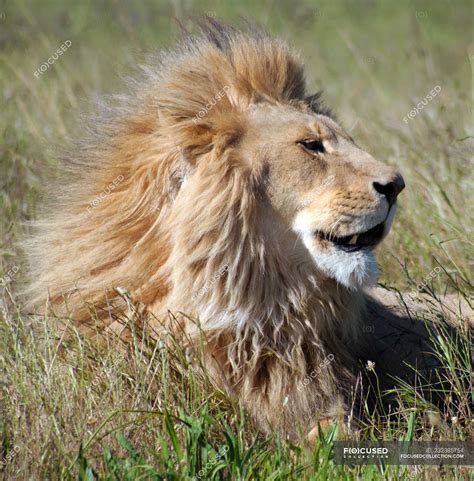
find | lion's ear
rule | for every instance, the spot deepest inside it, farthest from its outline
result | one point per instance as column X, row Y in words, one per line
column 195, row 139
column 316, row 104
column 198, row 139
column 198, row 136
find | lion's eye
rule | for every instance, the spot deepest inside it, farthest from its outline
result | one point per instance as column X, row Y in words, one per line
column 313, row 146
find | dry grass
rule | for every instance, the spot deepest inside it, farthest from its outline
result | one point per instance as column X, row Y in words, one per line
column 71, row 409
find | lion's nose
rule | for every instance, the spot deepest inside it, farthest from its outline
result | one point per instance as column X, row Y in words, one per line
column 390, row 189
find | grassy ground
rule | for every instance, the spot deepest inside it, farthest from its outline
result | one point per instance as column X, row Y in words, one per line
column 73, row 410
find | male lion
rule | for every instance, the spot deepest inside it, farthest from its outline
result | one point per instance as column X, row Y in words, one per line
column 219, row 189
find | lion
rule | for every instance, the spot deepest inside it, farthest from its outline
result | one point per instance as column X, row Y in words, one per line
column 220, row 190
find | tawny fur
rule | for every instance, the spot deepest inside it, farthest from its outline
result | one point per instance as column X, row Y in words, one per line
column 269, row 323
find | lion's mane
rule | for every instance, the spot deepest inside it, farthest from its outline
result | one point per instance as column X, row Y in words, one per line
column 278, row 336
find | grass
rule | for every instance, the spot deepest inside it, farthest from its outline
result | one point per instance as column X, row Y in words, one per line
column 74, row 410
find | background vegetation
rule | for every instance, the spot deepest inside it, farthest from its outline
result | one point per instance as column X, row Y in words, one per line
column 74, row 410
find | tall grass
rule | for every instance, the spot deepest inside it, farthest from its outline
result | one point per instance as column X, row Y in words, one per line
column 71, row 409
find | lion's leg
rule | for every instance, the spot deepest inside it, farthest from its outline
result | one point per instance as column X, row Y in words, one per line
column 323, row 425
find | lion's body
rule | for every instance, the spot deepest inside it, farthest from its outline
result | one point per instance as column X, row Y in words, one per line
column 162, row 204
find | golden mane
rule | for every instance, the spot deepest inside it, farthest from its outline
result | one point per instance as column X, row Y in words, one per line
column 138, row 148
column 120, row 222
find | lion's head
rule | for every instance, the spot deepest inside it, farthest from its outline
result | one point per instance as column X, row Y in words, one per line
column 259, row 154
column 319, row 184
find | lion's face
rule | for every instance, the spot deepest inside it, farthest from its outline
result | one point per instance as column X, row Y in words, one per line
column 336, row 197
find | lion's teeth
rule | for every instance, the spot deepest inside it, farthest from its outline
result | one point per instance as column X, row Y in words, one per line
column 353, row 240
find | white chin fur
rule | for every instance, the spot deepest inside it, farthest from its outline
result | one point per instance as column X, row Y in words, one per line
column 354, row 270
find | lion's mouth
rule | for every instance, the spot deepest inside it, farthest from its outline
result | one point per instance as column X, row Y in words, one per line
column 355, row 242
